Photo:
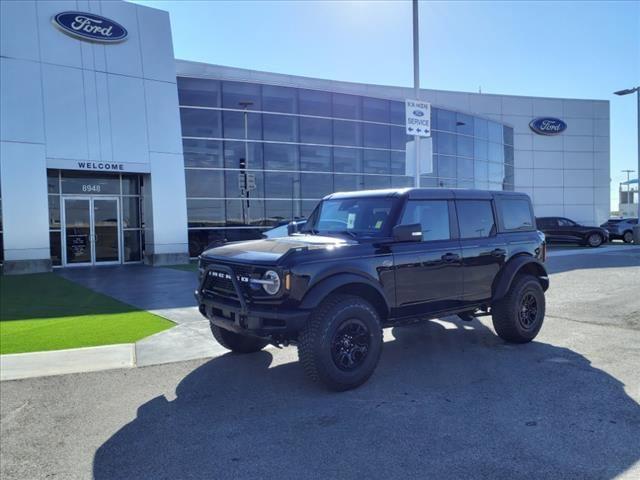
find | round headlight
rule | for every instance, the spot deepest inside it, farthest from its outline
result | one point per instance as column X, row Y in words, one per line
column 272, row 283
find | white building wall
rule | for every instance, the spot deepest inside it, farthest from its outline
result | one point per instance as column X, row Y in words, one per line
column 565, row 175
column 66, row 100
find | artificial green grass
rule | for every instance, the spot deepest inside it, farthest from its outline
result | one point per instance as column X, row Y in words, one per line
column 189, row 267
column 47, row 312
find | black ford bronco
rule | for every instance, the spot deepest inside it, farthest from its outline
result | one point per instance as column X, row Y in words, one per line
column 374, row 259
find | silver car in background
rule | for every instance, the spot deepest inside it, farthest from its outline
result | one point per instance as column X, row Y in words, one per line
column 620, row 228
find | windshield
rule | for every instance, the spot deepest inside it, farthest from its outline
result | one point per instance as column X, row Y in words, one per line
column 356, row 217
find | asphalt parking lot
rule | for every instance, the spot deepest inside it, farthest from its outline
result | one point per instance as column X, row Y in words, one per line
column 449, row 400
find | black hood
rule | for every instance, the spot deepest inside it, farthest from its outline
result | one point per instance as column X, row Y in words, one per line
column 272, row 249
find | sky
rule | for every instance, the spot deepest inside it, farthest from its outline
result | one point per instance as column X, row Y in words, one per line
column 554, row 49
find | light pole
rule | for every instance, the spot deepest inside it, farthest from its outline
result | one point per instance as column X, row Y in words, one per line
column 416, row 83
column 245, row 105
column 628, row 91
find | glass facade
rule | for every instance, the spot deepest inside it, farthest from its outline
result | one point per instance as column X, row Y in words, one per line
column 256, row 154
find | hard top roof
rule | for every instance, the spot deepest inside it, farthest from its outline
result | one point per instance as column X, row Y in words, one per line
column 425, row 193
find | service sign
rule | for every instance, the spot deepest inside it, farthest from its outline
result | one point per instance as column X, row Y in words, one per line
column 547, row 126
column 418, row 118
column 90, row 27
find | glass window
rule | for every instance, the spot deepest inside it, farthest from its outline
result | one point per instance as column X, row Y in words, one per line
column 55, row 246
column 53, row 182
column 131, row 184
column 279, row 156
column 54, row 211
column 307, row 207
column 481, row 128
column 316, row 159
column 481, row 171
column 375, row 109
column 495, row 132
column 508, row 135
column 374, row 182
column 509, row 174
column 346, row 106
column 279, row 99
column 376, row 136
column 399, row 138
column 314, row 102
column 316, row 185
column 496, row 172
column 205, row 213
column 397, row 112
column 508, row 155
column 464, row 124
column 403, row 182
column 496, row 152
column 446, row 143
column 233, row 125
column 204, row 183
column 475, row 218
column 447, row 167
column 130, row 212
column 480, row 149
column 233, row 179
column 197, row 122
column 281, row 185
column 202, row 153
column 79, row 182
column 377, row 161
column 347, row 160
column 565, row 222
column 235, row 152
column 464, row 146
column 398, row 163
column 132, row 250
column 464, row 168
column 445, row 120
column 278, row 211
column 347, row 183
column 315, row 130
column 347, row 133
column 198, row 92
column 283, row 128
column 516, row 214
column 433, row 215
column 233, row 93
column 244, row 212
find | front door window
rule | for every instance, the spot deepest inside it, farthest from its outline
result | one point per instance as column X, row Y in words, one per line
column 78, row 230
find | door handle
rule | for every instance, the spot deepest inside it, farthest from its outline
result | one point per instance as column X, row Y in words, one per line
column 450, row 257
column 499, row 252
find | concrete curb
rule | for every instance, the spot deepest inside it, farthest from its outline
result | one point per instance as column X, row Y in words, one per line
column 59, row 362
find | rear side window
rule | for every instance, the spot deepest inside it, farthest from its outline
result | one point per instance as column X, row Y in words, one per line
column 475, row 218
column 516, row 214
column 433, row 215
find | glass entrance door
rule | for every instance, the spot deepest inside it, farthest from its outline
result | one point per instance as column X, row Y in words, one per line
column 77, row 231
column 91, row 230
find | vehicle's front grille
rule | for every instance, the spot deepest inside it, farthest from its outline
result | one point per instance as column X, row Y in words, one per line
column 218, row 281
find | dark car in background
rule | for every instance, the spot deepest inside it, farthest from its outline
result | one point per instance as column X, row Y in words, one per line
column 620, row 228
column 564, row 230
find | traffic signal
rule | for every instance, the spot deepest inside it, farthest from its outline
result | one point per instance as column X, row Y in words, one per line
column 243, row 164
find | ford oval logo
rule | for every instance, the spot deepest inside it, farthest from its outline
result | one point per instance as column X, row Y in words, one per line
column 547, row 126
column 418, row 113
column 89, row 26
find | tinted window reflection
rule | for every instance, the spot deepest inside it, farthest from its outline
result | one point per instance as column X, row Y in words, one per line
column 375, row 110
column 316, row 159
column 202, row 153
column 197, row 122
column 280, row 156
column 283, row 128
column 233, row 125
column 279, row 99
column 233, row 93
column 347, row 133
column 347, row 160
column 198, row 92
column 234, row 152
column 346, row 106
column 315, row 130
column 316, row 185
column 376, row 161
column 376, row 136
column 313, row 102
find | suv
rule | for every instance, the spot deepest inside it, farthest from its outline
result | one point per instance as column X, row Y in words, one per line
column 563, row 230
column 620, row 228
column 374, row 259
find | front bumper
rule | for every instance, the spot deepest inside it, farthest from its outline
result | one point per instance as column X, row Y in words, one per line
column 246, row 318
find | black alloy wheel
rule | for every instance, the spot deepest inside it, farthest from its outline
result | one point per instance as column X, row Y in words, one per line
column 528, row 313
column 350, row 345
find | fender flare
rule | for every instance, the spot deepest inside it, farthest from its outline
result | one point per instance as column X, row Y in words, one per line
column 502, row 283
column 324, row 287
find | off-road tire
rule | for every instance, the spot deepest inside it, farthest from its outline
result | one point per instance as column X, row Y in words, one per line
column 627, row 237
column 235, row 342
column 506, row 312
column 317, row 340
column 594, row 240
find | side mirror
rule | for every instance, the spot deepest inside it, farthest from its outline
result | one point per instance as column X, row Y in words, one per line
column 292, row 227
column 408, row 233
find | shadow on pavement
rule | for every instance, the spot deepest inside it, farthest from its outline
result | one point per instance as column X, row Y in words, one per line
column 449, row 400
column 594, row 259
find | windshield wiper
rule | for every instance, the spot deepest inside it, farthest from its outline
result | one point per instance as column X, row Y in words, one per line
column 347, row 232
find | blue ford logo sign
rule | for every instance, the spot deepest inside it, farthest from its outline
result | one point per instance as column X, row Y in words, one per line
column 547, row 126
column 418, row 113
column 89, row 26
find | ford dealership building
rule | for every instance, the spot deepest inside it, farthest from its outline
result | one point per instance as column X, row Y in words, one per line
column 114, row 152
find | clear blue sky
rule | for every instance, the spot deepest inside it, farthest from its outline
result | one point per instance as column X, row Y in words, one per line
column 555, row 49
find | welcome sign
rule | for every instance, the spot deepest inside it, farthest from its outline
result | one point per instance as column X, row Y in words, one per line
column 90, row 27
